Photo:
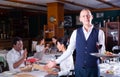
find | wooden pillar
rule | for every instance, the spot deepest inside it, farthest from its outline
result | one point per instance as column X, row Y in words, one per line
column 55, row 15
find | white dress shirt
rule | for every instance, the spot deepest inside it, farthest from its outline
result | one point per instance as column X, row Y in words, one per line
column 39, row 48
column 66, row 66
column 72, row 44
column 12, row 57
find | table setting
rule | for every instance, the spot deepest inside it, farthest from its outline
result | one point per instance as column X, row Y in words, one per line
column 110, row 65
column 110, row 70
column 106, row 55
column 49, row 56
column 34, row 67
column 32, row 70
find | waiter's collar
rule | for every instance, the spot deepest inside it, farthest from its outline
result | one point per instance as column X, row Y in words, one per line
column 89, row 29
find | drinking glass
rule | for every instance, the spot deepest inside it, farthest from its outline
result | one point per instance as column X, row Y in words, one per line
column 99, row 46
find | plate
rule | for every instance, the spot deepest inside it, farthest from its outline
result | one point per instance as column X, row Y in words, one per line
column 6, row 73
column 104, row 55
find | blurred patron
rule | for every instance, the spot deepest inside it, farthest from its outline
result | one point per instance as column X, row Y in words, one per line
column 16, row 56
column 67, row 64
column 54, row 46
column 41, row 45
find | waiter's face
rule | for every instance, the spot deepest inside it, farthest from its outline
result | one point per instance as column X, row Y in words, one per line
column 86, row 17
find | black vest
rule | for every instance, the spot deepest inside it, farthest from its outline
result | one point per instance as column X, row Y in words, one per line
column 85, row 47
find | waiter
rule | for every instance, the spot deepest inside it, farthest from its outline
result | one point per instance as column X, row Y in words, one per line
column 84, row 40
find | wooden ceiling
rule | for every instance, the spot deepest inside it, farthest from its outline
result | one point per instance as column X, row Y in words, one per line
column 69, row 5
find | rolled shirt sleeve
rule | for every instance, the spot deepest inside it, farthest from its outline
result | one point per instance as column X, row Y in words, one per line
column 101, row 40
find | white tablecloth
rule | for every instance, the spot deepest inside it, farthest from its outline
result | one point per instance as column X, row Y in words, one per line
column 34, row 73
column 45, row 59
column 49, row 57
column 114, row 67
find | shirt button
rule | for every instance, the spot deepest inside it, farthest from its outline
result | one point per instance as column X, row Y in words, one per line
column 84, row 61
column 85, row 47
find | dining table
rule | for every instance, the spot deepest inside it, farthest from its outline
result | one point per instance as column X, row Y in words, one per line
column 110, row 67
column 107, row 68
column 34, row 73
column 24, row 74
column 49, row 56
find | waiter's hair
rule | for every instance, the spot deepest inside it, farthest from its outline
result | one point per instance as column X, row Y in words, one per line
column 85, row 9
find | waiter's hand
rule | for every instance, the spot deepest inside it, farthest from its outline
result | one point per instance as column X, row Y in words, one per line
column 50, row 64
column 102, row 58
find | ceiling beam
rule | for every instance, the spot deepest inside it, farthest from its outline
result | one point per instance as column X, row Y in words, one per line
column 76, row 4
column 96, row 10
column 29, row 3
column 108, row 3
column 106, row 9
column 22, row 8
column 25, row 2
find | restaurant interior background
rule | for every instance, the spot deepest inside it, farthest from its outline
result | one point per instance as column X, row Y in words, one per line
column 31, row 19
column 29, row 23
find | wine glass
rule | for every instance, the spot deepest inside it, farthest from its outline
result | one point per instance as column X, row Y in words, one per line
column 98, row 45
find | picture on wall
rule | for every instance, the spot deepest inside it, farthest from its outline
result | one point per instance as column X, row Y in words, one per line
column 78, row 21
column 67, row 21
column 99, row 15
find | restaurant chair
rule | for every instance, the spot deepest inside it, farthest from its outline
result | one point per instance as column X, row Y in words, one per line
column 33, row 47
column 71, row 73
column 1, row 67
